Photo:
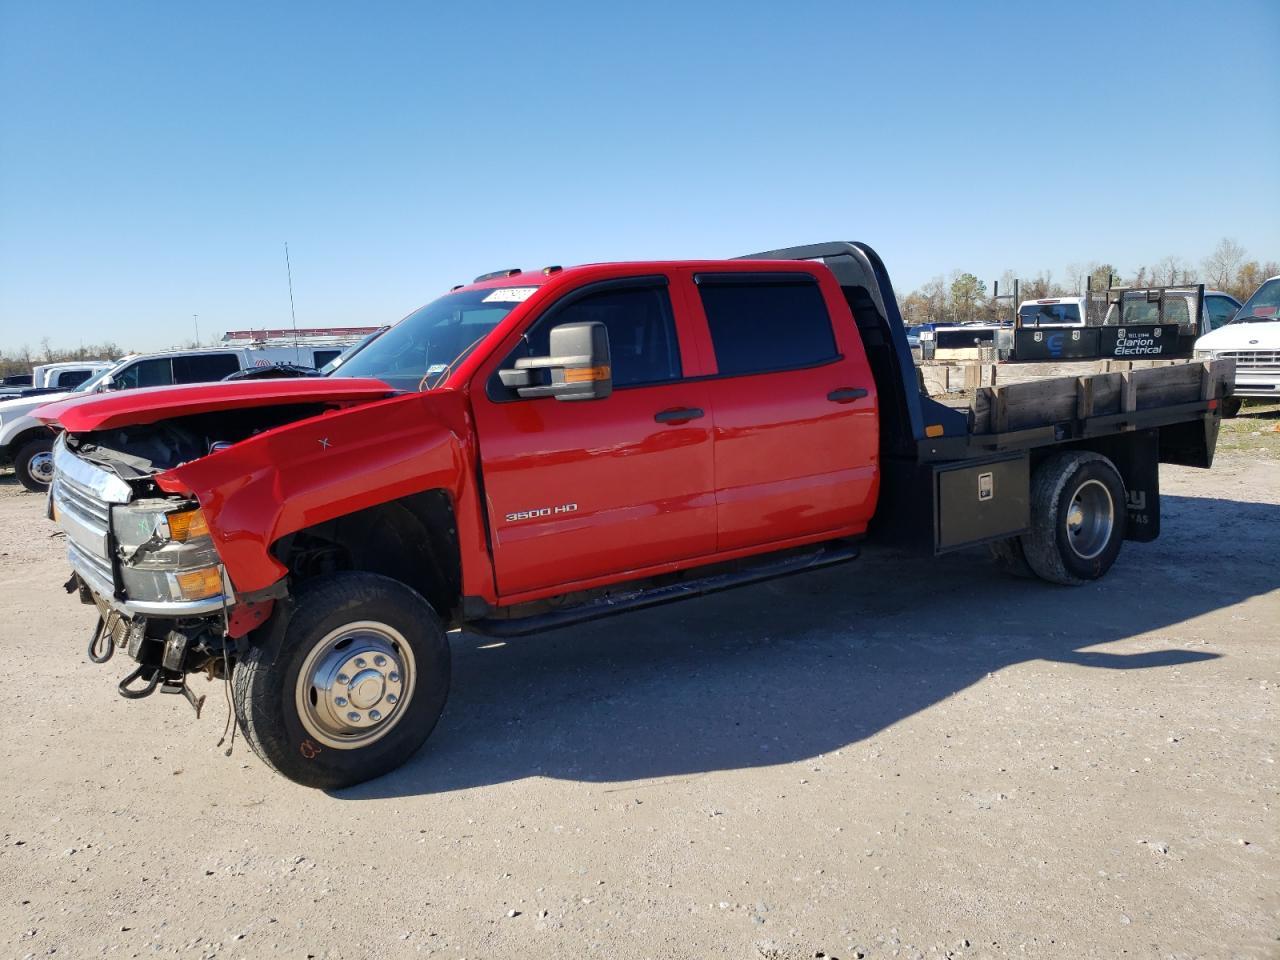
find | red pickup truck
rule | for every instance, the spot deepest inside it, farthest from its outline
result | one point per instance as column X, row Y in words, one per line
column 539, row 448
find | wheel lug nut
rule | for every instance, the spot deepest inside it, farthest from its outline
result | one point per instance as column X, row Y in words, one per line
column 392, row 698
column 353, row 717
column 393, row 677
column 341, row 701
column 343, row 678
column 379, row 661
column 360, row 661
column 374, row 715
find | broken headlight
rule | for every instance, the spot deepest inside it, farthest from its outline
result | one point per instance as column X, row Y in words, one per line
column 166, row 552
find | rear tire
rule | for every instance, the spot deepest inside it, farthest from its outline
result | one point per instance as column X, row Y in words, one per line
column 350, row 688
column 1231, row 407
column 1077, row 518
column 34, row 464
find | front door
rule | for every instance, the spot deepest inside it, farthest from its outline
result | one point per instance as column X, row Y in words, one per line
column 587, row 489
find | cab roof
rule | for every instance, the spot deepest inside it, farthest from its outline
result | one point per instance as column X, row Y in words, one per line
column 537, row 278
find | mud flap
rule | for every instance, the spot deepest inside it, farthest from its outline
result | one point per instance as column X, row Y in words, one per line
column 1138, row 460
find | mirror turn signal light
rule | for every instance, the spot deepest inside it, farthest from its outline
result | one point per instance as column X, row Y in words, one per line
column 585, row 374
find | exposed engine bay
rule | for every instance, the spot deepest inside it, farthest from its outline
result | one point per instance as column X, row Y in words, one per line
column 140, row 451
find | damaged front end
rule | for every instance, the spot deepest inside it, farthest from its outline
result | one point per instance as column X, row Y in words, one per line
column 147, row 560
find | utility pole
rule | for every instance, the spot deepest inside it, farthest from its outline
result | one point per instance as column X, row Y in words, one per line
column 195, row 318
column 292, row 312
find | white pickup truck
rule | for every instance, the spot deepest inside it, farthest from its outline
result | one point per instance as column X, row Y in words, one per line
column 1135, row 308
column 1252, row 340
column 27, row 443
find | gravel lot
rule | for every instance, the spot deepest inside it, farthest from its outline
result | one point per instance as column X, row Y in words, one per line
column 897, row 757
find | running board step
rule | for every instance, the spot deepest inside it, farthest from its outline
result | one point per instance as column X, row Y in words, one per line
column 827, row 555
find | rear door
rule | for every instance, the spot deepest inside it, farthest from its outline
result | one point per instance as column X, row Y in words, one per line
column 796, row 428
column 582, row 490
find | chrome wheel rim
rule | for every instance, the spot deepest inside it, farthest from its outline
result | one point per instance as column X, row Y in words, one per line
column 41, row 467
column 355, row 684
column 1091, row 516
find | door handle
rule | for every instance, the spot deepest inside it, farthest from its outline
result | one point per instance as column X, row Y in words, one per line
column 846, row 394
column 678, row 415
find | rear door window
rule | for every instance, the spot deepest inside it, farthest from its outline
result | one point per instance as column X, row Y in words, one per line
column 204, row 367
column 72, row 378
column 764, row 323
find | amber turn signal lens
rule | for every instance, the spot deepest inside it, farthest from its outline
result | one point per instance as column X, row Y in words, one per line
column 585, row 374
column 187, row 525
column 199, row 584
column 933, row 430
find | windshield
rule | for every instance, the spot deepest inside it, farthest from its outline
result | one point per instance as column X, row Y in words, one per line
column 1263, row 305
column 351, row 351
column 1034, row 314
column 419, row 351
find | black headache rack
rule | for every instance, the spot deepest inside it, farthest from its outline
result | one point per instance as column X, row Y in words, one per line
column 953, row 478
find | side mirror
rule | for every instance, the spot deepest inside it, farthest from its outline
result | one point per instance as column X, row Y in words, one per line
column 107, row 384
column 578, row 368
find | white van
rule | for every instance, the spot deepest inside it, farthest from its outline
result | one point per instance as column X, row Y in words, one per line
column 1252, row 340
column 26, row 443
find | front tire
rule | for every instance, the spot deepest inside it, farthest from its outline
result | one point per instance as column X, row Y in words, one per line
column 1078, row 518
column 350, row 688
column 34, row 464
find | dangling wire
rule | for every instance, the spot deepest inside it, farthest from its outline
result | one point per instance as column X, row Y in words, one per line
column 231, row 723
column 226, row 690
column 100, row 634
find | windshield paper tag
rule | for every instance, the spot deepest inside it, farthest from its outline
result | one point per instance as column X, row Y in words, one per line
column 509, row 295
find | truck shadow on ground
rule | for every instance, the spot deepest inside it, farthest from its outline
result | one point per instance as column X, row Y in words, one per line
column 794, row 668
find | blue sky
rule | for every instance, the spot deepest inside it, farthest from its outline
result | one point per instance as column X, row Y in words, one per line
column 155, row 156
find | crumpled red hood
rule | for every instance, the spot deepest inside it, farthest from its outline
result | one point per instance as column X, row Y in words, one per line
column 151, row 404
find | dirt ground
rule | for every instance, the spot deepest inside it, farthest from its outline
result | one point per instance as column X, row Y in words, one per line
column 897, row 757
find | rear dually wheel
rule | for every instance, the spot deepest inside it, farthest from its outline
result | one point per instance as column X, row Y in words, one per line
column 1077, row 518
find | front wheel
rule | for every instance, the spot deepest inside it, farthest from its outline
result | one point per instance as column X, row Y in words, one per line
column 1077, row 518
column 34, row 464
column 351, row 687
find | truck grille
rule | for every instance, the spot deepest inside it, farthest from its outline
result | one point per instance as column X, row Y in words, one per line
column 82, row 497
column 1268, row 360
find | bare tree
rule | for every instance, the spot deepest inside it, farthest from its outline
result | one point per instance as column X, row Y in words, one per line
column 1221, row 266
column 1170, row 270
column 935, row 291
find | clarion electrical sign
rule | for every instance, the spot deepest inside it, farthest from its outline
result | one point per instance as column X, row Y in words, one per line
column 1084, row 343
